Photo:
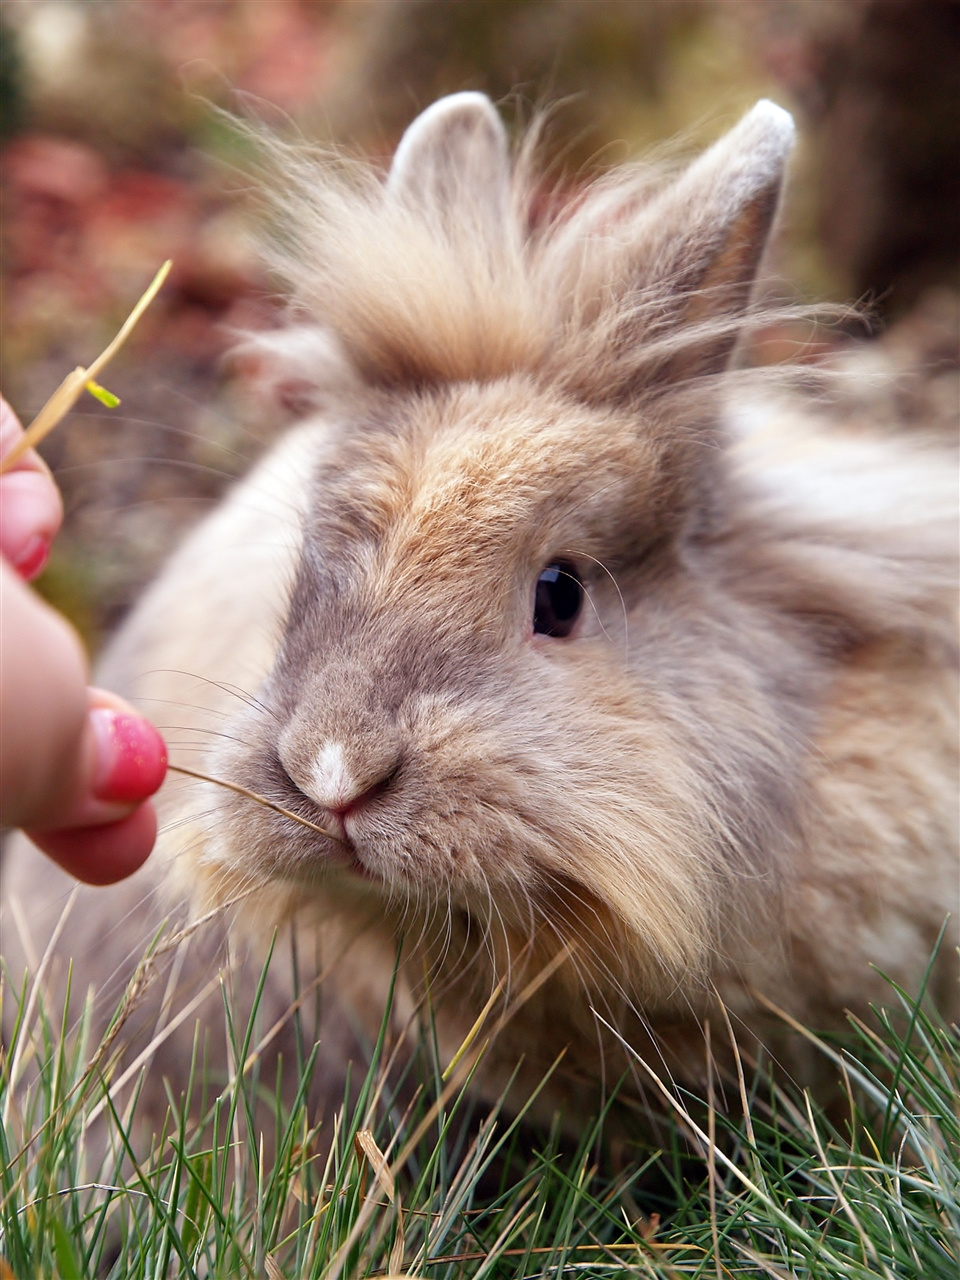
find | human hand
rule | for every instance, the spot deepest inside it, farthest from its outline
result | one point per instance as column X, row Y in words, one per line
column 76, row 764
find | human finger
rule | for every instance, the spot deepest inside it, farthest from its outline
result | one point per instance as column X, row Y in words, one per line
column 69, row 757
column 103, row 854
column 43, row 708
column 31, row 509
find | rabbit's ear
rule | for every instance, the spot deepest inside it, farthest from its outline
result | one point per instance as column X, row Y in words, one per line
column 454, row 159
column 676, row 272
column 704, row 237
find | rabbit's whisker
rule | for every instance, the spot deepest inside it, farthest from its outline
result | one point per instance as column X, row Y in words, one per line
column 253, row 795
column 233, row 690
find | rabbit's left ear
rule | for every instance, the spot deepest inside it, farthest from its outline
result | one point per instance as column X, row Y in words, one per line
column 453, row 162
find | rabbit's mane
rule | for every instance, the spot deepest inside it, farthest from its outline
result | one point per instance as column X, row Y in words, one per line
column 420, row 293
column 857, row 524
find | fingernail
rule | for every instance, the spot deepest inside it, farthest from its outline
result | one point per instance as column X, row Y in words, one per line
column 131, row 756
column 33, row 557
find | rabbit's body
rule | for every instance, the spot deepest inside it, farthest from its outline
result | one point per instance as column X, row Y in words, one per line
column 595, row 668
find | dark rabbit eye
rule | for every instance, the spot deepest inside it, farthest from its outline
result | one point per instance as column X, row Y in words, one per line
column 558, row 601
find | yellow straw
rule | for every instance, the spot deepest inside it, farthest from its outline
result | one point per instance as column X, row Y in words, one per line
column 71, row 388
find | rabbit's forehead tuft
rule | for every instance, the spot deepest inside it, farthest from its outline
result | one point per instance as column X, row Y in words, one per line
column 501, row 466
column 528, row 465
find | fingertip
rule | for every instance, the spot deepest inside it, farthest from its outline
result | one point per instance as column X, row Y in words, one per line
column 30, row 518
column 131, row 756
column 105, row 854
column 32, row 558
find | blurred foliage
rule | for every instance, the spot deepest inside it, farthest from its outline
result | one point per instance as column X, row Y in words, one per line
column 633, row 72
column 888, row 128
column 12, row 92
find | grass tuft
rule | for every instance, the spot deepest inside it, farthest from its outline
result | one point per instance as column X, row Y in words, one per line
column 413, row 1176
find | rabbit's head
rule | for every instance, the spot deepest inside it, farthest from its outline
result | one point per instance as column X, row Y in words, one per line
column 518, row 678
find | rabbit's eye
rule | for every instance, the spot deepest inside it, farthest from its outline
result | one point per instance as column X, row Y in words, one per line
column 558, row 601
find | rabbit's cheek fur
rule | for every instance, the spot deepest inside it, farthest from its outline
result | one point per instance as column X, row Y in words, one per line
column 564, row 783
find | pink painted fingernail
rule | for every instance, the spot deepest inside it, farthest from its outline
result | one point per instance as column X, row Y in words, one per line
column 131, row 756
column 33, row 557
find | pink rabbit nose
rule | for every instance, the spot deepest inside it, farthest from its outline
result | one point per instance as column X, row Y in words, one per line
column 350, row 806
column 342, row 789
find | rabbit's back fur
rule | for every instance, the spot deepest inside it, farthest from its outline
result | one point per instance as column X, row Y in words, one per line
column 727, row 771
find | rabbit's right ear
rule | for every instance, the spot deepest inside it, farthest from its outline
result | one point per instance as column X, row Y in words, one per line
column 664, row 284
column 453, row 162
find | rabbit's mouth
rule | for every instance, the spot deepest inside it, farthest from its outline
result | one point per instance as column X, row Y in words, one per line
column 347, row 856
column 335, row 823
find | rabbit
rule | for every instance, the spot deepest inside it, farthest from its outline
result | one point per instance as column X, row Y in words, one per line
column 579, row 669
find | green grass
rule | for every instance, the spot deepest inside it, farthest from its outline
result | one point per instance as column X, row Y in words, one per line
column 414, row 1177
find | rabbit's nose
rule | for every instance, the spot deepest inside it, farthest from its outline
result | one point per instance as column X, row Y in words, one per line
column 342, row 781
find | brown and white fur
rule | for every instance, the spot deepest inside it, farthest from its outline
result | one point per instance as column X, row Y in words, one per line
column 735, row 778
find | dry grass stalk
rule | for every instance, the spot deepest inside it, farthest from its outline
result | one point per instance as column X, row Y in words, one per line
column 74, row 384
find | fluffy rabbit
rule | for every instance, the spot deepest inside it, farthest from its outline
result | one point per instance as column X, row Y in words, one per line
column 593, row 663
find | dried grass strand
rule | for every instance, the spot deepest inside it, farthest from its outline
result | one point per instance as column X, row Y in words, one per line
column 72, row 387
column 254, row 795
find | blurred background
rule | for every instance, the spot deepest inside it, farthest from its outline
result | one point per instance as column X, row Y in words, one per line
column 117, row 154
